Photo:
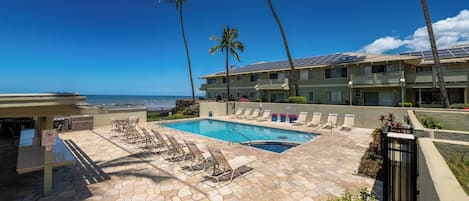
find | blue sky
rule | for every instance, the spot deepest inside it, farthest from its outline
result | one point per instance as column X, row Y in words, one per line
column 135, row 46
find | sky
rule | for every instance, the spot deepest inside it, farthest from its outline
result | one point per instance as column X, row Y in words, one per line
column 135, row 47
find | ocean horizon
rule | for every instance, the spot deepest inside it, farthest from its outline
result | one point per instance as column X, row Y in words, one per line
column 151, row 102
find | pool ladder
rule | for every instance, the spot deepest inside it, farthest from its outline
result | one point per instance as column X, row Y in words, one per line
column 241, row 134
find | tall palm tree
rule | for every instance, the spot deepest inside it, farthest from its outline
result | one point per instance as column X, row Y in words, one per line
column 436, row 57
column 228, row 44
column 293, row 74
column 179, row 4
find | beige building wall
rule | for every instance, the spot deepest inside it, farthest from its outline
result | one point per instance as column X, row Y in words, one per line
column 216, row 108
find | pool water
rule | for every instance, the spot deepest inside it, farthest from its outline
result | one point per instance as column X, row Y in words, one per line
column 277, row 147
column 236, row 132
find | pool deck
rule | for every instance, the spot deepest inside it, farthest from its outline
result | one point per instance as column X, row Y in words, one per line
column 110, row 168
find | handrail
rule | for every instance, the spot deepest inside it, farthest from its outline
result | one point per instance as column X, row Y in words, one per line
column 233, row 130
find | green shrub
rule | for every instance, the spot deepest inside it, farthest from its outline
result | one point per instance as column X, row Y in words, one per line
column 406, row 104
column 258, row 100
column 296, row 99
column 459, row 106
column 429, row 121
column 363, row 195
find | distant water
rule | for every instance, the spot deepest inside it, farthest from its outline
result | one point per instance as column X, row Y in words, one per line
column 127, row 101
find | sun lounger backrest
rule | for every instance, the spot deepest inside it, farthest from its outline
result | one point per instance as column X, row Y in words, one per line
column 194, row 149
column 349, row 120
column 175, row 144
column 219, row 158
column 316, row 117
column 302, row 116
column 239, row 111
column 160, row 138
column 332, row 118
column 248, row 112
column 255, row 113
column 266, row 114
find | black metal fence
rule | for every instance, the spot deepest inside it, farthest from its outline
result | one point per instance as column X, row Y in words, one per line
column 399, row 150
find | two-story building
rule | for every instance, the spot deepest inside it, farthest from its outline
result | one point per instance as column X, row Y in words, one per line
column 363, row 79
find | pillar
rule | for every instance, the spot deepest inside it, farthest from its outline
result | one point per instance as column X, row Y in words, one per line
column 48, row 123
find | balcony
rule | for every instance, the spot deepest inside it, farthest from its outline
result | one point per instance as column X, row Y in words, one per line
column 378, row 79
column 272, row 85
column 203, row 87
column 428, row 77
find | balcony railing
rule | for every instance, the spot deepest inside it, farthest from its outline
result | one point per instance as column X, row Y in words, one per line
column 203, row 87
column 272, row 84
column 378, row 79
column 428, row 77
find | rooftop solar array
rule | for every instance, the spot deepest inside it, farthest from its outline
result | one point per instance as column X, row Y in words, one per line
column 449, row 53
column 303, row 62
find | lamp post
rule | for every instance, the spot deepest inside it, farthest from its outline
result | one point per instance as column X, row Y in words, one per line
column 402, row 83
column 350, row 86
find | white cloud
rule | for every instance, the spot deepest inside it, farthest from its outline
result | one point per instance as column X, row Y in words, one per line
column 448, row 32
column 384, row 44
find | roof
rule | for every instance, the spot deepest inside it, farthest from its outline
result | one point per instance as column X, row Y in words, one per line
column 455, row 52
column 315, row 62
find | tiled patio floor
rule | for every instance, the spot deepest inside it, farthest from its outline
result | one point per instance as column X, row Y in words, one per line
column 110, row 168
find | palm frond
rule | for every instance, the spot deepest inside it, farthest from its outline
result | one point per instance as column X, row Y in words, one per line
column 215, row 48
column 238, row 45
column 234, row 54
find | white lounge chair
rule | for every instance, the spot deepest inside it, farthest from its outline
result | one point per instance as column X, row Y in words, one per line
column 228, row 168
column 316, row 121
column 247, row 112
column 331, row 121
column 349, row 121
column 254, row 114
column 265, row 116
column 301, row 119
column 239, row 111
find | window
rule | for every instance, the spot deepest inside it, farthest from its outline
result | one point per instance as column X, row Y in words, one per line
column 358, row 93
column 336, row 72
column 423, row 69
column 306, row 74
column 211, row 95
column 224, row 80
column 238, row 77
column 310, row 74
column 211, row 81
column 273, row 76
column 254, row 78
column 310, row 97
column 336, row 96
column 252, row 94
column 238, row 94
column 385, row 68
column 224, row 95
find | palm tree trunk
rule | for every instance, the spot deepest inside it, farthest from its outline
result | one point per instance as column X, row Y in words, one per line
column 187, row 54
column 293, row 76
column 227, row 79
column 436, row 57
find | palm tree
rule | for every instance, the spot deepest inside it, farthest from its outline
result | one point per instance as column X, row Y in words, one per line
column 436, row 57
column 228, row 44
column 293, row 74
column 179, row 4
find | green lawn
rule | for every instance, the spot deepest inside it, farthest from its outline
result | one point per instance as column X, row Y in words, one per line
column 457, row 158
column 450, row 121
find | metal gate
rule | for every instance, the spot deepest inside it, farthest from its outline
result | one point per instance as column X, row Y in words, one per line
column 400, row 164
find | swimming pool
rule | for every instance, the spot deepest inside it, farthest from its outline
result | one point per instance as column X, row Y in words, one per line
column 240, row 133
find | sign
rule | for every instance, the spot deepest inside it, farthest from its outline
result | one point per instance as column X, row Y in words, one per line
column 48, row 137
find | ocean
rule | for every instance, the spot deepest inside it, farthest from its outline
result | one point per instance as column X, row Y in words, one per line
column 152, row 103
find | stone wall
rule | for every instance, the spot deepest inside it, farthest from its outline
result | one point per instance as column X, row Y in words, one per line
column 105, row 118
